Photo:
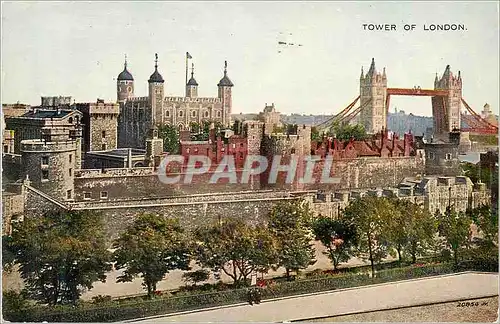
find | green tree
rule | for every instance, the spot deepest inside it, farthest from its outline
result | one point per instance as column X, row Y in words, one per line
column 368, row 214
column 455, row 228
column 339, row 238
column 409, row 229
column 60, row 254
column 151, row 246
column 487, row 222
column 196, row 276
column 315, row 135
column 345, row 132
column 195, row 128
column 170, row 136
column 289, row 224
column 235, row 248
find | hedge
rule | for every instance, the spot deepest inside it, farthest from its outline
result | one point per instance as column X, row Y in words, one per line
column 119, row 310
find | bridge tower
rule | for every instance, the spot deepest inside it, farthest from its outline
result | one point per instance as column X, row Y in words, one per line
column 373, row 93
column 446, row 109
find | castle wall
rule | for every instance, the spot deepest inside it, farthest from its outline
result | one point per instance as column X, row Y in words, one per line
column 140, row 183
column 251, row 206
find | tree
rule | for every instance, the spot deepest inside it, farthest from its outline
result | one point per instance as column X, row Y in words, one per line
column 60, row 254
column 315, row 135
column 170, row 136
column 339, row 238
column 195, row 127
column 409, row 229
column 289, row 224
column 486, row 221
column 235, row 248
column 151, row 246
column 367, row 215
column 196, row 276
column 455, row 228
column 345, row 132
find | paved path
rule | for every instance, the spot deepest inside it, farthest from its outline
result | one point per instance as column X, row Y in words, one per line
column 376, row 297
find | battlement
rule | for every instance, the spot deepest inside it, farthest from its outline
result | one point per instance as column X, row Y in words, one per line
column 38, row 145
column 198, row 99
column 99, row 107
column 113, row 172
column 138, row 99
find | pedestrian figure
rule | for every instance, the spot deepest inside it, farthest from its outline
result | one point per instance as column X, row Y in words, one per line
column 250, row 297
column 257, row 295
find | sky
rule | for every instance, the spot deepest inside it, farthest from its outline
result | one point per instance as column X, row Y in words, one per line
column 77, row 49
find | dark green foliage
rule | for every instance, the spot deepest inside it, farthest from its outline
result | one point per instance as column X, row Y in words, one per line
column 197, row 276
column 455, row 228
column 170, row 136
column 236, row 248
column 368, row 215
column 13, row 301
column 289, row 224
column 345, row 132
column 8, row 254
column 119, row 311
column 410, row 229
column 315, row 135
column 60, row 254
column 338, row 236
column 152, row 246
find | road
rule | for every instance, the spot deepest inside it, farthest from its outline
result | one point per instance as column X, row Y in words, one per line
column 376, row 297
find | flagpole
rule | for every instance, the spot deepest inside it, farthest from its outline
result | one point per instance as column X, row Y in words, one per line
column 186, row 70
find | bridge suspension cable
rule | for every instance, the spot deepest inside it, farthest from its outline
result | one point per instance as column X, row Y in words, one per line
column 339, row 116
column 476, row 123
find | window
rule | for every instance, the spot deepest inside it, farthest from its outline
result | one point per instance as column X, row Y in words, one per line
column 218, row 114
column 103, row 134
column 234, row 145
column 70, row 120
column 251, row 126
column 45, row 160
column 103, row 147
column 45, row 175
column 6, row 149
column 206, row 113
column 193, row 113
column 87, row 195
column 293, row 151
column 180, row 113
column 68, row 194
column 448, row 156
column 241, row 155
column 70, row 172
column 167, row 113
column 70, row 158
column 430, row 156
column 104, row 195
column 241, row 145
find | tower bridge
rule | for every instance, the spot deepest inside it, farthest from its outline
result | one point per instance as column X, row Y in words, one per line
column 446, row 98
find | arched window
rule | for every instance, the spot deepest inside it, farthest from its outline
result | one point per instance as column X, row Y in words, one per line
column 193, row 113
column 70, row 120
column 206, row 113
column 180, row 113
column 167, row 113
column 218, row 114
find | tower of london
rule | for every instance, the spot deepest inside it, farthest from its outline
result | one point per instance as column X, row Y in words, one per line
column 139, row 114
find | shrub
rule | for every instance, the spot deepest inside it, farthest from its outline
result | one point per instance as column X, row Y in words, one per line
column 123, row 310
column 99, row 299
